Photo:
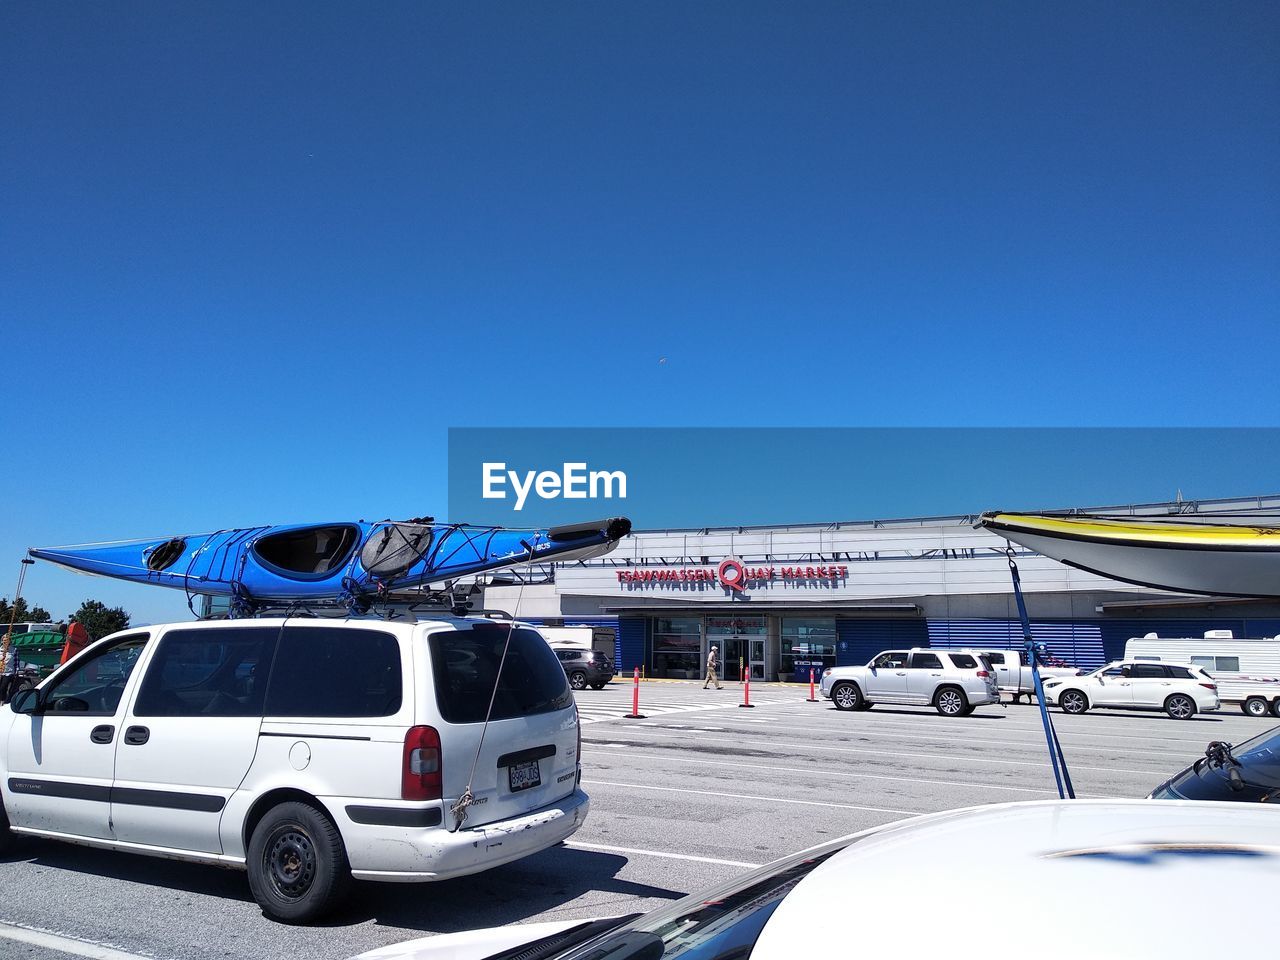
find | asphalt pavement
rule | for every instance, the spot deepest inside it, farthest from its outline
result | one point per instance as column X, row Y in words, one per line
column 695, row 793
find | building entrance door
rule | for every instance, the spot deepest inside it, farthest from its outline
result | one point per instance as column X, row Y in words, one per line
column 756, row 659
column 731, row 654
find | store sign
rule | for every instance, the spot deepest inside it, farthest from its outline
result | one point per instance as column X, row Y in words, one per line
column 734, row 575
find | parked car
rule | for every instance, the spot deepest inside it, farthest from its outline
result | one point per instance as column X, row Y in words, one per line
column 307, row 752
column 1247, row 671
column 1248, row 773
column 585, row 668
column 1054, row 859
column 1181, row 692
column 952, row 681
column 1014, row 677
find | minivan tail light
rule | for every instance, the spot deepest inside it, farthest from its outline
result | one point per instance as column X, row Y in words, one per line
column 421, row 775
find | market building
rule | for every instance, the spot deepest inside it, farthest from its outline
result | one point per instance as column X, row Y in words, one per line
column 781, row 600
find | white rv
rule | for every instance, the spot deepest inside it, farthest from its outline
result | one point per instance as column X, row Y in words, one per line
column 1247, row 671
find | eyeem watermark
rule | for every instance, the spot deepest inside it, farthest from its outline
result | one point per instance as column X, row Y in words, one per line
column 573, row 482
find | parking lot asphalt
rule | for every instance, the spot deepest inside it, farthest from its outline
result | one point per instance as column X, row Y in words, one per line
column 699, row 790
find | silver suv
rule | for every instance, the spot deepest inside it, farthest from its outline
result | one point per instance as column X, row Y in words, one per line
column 951, row 681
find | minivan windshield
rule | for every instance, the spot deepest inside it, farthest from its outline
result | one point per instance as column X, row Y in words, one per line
column 465, row 666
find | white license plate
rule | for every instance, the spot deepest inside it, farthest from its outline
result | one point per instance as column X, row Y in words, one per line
column 522, row 776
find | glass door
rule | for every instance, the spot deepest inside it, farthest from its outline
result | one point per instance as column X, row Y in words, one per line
column 757, row 659
column 736, row 637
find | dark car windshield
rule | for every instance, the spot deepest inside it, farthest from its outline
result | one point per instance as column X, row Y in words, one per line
column 1261, row 759
column 721, row 924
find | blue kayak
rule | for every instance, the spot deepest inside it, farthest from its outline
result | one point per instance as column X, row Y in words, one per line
column 355, row 563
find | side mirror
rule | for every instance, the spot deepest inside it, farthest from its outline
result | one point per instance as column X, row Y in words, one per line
column 25, row 701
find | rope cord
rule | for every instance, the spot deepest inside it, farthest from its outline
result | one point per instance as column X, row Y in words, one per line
column 1034, row 651
column 13, row 617
column 459, row 807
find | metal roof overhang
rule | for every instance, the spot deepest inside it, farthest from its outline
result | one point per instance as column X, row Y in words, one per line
column 657, row 604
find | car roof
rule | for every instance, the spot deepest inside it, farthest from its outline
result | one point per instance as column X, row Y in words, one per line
column 1079, row 877
column 367, row 623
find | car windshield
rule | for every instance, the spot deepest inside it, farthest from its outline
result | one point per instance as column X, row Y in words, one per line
column 1261, row 759
column 721, row 924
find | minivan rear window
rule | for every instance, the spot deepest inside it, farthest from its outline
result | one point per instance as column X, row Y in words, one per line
column 465, row 665
column 335, row 672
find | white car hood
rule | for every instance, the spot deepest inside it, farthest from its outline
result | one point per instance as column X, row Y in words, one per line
column 470, row 944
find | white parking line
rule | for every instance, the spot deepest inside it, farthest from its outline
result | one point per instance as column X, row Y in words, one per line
column 1035, row 732
column 71, row 945
column 859, row 776
column 583, row 845
column 900, row 754
column 748, row 796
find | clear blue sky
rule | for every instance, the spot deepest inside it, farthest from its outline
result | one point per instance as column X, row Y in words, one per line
column 258, row 257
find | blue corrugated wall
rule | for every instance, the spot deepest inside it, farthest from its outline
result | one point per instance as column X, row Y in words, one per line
column 857, row 641
column 632, row 642
column 1079, row 643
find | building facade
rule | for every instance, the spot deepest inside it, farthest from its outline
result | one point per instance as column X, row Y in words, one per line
column 778, row 601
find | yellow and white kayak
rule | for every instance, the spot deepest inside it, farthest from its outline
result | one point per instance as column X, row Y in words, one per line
column 1210, row 557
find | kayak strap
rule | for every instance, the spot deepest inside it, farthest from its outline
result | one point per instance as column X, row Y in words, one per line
column 1037, row 652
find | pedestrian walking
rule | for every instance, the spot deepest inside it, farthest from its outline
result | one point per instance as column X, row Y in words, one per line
column 713, row 668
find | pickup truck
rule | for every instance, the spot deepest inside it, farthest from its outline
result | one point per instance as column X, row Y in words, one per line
column 1013, row 677
column 951, row 681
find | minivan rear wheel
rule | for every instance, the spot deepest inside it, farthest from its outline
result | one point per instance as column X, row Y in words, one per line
column 578, row 680
column 298, row 868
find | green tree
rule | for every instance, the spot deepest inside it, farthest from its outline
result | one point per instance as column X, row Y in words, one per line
column 99, row 619
column 24, row 614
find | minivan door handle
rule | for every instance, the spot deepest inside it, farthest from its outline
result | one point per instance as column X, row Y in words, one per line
column 135, row 736
column 103, row 734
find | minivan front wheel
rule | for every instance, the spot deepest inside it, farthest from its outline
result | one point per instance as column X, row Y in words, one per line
column 298, row 868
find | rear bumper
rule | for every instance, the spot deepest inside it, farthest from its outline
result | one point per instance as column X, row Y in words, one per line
column 415, row 856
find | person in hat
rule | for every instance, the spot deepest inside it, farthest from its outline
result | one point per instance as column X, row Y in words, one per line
column 713, row 668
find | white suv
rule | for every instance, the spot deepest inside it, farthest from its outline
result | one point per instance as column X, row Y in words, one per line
column 953, row 682
column 306, row 751
column 1179, row 691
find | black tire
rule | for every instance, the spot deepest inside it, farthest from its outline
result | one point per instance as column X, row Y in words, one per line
column 1256, row 707
column 6, row 836
column 1180, row 706
column 1275, row 706
column 950, row 702
column 846, row 696
column 1073, row 701
column 578, row 680
column 298, row 868
column 599, row 686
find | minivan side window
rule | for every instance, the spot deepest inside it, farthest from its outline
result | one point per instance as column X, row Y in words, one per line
column 208, row 673
column 336, row 672
column 465, row 665
column 94, row 687
column 964, row 661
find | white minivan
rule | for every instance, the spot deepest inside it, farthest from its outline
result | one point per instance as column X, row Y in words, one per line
column 306, row 751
